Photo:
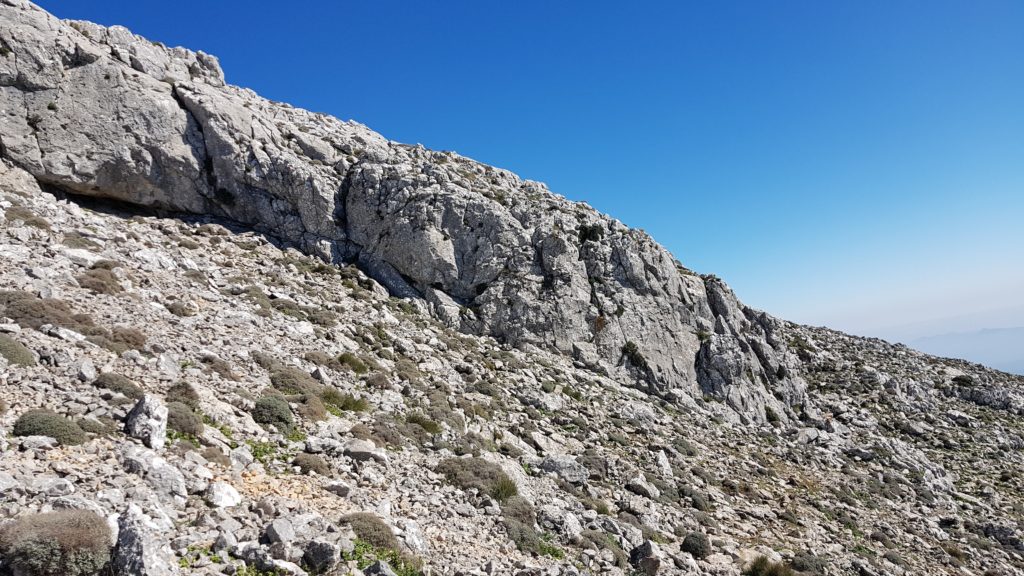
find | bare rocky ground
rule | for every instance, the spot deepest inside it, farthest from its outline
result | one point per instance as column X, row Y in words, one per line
column 560, row 398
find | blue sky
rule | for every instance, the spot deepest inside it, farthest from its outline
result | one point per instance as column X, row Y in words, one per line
column 854, row 164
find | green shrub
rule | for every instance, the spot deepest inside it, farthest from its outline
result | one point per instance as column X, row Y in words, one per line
column 697, row 544
column 808, row 563
column 99, row 281
column 292, row 380
column 602, row 541
column 184, row 393
column 332, row 398
column 118, row 383
column 47, row 423
column 373, row 530
column 518, row 508
column 91, row 426
column 64, row 543
column 273, row 410
column 182, row 419
column 311, row 463
column 486, row 477
column 632, row 353
column 353, row 362
column 15, row 352
column 524, row 536
column 762, row 566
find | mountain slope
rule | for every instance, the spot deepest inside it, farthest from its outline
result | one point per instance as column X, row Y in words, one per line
column 163, row 226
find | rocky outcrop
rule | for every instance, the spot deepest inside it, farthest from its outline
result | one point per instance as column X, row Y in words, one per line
column 101, row 112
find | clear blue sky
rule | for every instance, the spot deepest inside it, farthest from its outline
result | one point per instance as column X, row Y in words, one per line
column 856, row 164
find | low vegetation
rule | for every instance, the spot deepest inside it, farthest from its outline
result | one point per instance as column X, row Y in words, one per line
column 47, row 423
column 15, row 352
column 117, row 383
column 65, row 542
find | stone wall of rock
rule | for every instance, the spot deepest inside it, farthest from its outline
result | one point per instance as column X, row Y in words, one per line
column 101, row 112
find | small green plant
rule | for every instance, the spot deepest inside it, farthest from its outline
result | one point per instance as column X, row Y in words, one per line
column 47, row 423
column 364, row 554
column 263, row 452
column 15, row 352
column 549, row 549
column 65, row 542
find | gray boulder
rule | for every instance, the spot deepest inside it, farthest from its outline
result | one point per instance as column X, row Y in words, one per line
column 147, row 421
column 141, row 548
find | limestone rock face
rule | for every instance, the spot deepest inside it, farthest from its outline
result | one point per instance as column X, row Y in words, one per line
column 101, row 112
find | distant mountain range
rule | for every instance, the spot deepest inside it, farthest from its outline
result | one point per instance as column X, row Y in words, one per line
column 1001, row 348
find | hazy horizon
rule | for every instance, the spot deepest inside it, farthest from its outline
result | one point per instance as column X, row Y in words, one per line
column 853, row 165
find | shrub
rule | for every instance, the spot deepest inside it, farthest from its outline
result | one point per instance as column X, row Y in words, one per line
column 291, row 380
column 632, row 353
column 312, row 408
column 118, row 340
column 372, row 530
column 27, row 216
column 963, row 380
column 311, row 463
column 697, row 544
column 76, row 240
column 118, row 383
column 65, row 542
column 91, row 426
column 524, row 536
column 180, row 308
column 762, row 566
column 486, row 477
column 353, row 362
column 47, row 423
column 15, row 352
column 182, row 419
column 424, row 422
column 331, row 397
column 519, row 509
column 602, row 541
column 100, row 281
column 378, row 380
column 29, row 311
column 808, row 563
column 184, row 393
column 273, row 410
